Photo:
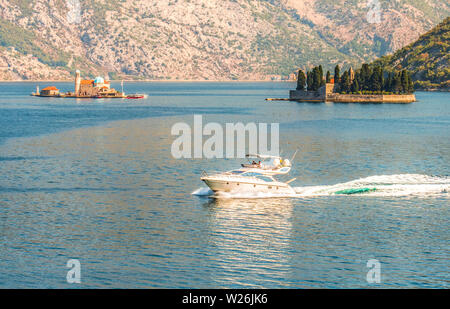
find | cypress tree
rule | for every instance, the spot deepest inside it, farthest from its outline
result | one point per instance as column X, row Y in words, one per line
column 388, row 83
column 410, row 84
column 328, row 78
column 345, row 82
column 357, row 78
column 392, row 84
column 316, row 78
column 369, row 73
column 309, row 81
column 365, row 77
column 404, row 81
column 321, row 81
column 301, row 80
column 355, row 86
column 376, row 80
column 337, row 72
column 397, row 83
column 372, row 82
column 407, row 81
column 381, row 78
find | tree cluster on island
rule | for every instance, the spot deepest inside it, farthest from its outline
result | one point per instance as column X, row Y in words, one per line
column 366, row 80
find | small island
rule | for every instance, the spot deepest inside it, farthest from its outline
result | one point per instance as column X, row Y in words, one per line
column 365, row 85
column 84, row 88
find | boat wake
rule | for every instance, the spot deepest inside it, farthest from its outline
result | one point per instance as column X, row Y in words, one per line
column 382, row 185
column 203, row 192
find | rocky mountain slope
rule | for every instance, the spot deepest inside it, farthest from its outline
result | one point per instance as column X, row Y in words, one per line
column 201, row 39
column 428, row 58
column 370, row 28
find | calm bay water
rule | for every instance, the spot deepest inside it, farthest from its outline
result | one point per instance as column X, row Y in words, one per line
column 94, row 180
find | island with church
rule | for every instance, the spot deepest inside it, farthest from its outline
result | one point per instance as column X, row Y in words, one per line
column 365, row 85
column 84, row 88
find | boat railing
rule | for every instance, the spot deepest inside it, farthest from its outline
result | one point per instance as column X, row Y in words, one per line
column 212, row 173
column 228, row 175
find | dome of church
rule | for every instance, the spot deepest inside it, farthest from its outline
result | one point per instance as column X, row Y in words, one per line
column 99, row 80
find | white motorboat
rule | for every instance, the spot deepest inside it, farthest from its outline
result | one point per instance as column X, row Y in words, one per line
column 253, row 177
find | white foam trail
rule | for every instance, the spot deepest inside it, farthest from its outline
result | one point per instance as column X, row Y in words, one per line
column 384, row 185
column 203, row 192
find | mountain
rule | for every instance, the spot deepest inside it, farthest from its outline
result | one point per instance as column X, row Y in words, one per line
column 202, row 39
column 370, row 28
column 427, row 59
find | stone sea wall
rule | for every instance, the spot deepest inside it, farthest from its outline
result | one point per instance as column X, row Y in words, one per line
column 377, row 98
column 321, row 96
column 306, row 96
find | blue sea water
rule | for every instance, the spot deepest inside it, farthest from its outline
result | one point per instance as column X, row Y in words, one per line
column 94, row 180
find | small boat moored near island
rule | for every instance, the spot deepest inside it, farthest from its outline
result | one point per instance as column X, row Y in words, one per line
column 136, row 96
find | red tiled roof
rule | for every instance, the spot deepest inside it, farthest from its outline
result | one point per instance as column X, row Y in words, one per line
column 50, row 88
column 87, row 81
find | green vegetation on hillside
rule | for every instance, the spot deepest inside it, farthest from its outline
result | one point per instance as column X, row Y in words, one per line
column 25, row 42
column 24, row 5
column 427, row 59
column 246, row 39
column 364, row 41
column 288, row 45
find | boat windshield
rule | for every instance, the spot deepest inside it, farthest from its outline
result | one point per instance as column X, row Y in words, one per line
column 265, row 178
column 258, row 175
column 251, row 174
column 236, row 172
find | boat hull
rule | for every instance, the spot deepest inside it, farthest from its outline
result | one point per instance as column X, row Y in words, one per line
column 235, row 186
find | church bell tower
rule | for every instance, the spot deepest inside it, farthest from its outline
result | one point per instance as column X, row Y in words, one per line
column 77, row 82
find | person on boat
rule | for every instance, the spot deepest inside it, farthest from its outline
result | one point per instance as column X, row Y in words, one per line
column 259, row 164
column 276, row 163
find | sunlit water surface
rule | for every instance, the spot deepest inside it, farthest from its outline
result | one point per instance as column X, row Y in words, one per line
column 94, row 180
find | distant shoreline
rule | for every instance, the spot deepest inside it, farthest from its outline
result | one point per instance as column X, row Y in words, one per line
column 154, row 81
column 185, row 81
column 434, row 90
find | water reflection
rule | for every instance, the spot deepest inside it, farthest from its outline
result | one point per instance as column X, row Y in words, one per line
column 251, row 238
column 113, row 196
